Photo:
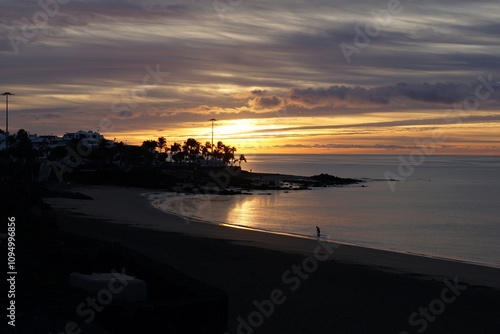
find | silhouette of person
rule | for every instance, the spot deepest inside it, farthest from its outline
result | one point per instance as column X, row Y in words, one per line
column 318, row 232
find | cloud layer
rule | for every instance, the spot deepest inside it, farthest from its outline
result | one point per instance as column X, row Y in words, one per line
column 74, row 63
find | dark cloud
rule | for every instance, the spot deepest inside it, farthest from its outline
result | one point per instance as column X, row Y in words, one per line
column 267, row 103
column 445, row 93
column 438, row 93
column 251, row 94
column 314, row 97
column 258, row 92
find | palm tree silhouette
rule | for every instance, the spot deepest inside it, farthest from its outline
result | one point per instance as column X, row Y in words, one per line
column 162, row 142
column 191, row 149
column 194, row 152
column 205, row 151
column 228, row 154
column 174, row 149
column 242, row 158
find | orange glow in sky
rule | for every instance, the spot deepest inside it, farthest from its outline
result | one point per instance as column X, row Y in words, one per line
column 275, row 77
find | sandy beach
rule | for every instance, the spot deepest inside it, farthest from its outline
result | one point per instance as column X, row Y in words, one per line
column 311, row 286
column 128, row 206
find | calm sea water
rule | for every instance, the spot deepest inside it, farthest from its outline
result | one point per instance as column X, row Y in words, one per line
column 448, row 206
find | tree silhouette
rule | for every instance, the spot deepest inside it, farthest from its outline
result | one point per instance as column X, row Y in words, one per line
column 191, row 149
column 162, row 142
column 228, row 154
column 150, row 145
column 175, row 149
column 205, row 150
column 22, row 146
column 242, row 158
column 22, row 136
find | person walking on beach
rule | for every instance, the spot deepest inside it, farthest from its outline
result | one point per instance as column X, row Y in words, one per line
column 318, row 232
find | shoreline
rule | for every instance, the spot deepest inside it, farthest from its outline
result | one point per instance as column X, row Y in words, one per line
column 151, row 200
column 136, row 210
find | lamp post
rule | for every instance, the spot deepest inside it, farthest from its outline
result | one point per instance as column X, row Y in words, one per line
column 212, row 120
column 6, row 94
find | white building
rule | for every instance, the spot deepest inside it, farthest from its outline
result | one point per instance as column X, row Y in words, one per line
column 88, row 138
column 48, row 142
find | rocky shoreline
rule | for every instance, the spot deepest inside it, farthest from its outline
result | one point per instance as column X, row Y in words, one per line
column 237, row 183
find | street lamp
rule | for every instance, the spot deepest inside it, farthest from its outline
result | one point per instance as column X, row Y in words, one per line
column 212, row 120
column 6, row 94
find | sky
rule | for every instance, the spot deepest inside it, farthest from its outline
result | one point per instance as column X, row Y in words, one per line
column 316, row 76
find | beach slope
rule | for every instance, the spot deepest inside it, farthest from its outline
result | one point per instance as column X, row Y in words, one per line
column 278, row 283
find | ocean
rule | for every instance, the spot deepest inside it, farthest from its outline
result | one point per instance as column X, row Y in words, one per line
column 442, row 206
